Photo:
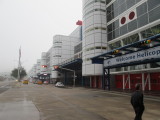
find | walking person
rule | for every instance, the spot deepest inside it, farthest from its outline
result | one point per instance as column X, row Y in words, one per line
column 137, row 102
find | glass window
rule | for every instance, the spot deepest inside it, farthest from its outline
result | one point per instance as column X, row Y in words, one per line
column 109, row 17
column 123, row 29
column 115, row 12
column 57, row 46
column 141, row 9
column 115, row 45
column 134, row 38
column 120, row 2
column 130, row 39
column 109, row 36
column 115, row 4
column 113, row 35
column 151, row 31
column 122, row 8
column 126, row 41
column 98, row 47
column 143, row 20
column 109, row 27
column 130, row 3
column 154, row 14
column 152, row 4
column 145, row 66
column 132, row 25
column 147, row 33
column 155, row 65
column 108, row 1
column 116, row 33
column 118, row 69
column 138, row 1
column 126, row 68
column 139, row 67
column 116, row 24
column 109, row 9
column 155, row 30
column 104, row 48
column 113, row 26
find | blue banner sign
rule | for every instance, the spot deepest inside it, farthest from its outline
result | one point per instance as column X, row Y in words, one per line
column 132, row 57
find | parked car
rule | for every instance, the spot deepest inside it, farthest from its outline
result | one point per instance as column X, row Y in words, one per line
column 59, row 84
column 45, row 82
column 25, row 81
column 39, row 82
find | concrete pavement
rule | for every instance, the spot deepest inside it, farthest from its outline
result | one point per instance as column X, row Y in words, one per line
column 79, row 103
column 15, row 106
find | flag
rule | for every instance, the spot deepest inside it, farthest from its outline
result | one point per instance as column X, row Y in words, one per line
column 127, row 17
column 79, row 22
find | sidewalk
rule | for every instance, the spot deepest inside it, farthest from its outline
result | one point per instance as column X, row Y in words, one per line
column 78, row 103
column 15, row 106
column 152, row 95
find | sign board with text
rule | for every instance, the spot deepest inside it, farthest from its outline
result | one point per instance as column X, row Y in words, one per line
column 132, row 57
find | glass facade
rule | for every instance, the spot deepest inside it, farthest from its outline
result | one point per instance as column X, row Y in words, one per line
column 133, row 38
column 151, row 31
column 146, row 13
column 115, row 45
column 78, row 48
column 130, row 39
column 118, row 7
column 148, row 33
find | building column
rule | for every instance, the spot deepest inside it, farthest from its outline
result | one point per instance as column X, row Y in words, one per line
column 95, row 81
column 103, row 80
column 90, row 81
column 149, row 81
column 82, row 81
column 129, row 81
column 123, row 81
column 108, row 77
column 143, row 86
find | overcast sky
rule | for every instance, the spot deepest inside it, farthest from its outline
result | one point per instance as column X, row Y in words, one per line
column 32, row 24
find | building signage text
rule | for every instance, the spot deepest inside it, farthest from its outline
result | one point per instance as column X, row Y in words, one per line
column 132, row 57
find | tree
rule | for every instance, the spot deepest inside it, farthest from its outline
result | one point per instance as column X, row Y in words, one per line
column 15, row 73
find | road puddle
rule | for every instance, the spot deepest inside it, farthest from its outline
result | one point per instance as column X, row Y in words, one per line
column 23, row 110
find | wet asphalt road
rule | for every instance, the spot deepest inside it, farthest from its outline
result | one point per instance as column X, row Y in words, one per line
column 50, row 103
column 4, row 85
column 13, row 109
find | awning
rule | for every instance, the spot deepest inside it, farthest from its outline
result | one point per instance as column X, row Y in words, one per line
column 75, row 64
column 129, row 49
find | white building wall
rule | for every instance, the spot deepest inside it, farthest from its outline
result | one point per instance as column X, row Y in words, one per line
column 94, row 35
column 34, row 70
column 38, row 66
column 63, row 49
column 77, row 32
column 43, row 63
column 48, row 60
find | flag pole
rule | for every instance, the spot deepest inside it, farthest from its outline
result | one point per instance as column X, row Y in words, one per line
column 19, row 63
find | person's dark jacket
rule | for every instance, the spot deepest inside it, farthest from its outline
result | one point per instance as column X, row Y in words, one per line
column 137, row 99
